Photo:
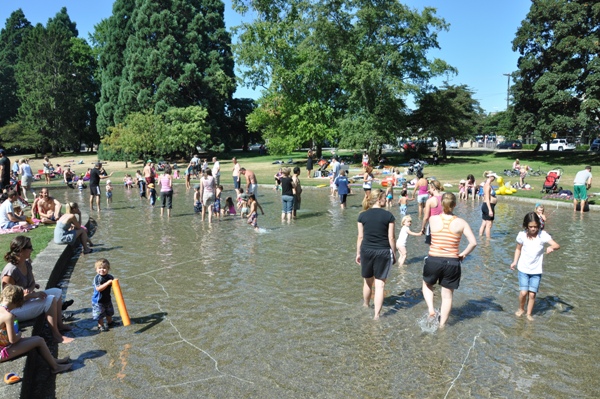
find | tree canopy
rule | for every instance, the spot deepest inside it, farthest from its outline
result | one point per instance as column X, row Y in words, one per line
column 445, row 113
column 11, row 37
column 160, row 55
column 557, row 86
column 56, row 87
column 336, row 71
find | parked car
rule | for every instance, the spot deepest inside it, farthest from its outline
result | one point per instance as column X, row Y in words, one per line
column 255, row 146
column 595, row 146
column 409, row 145
column 558, row 145
column 510, row 144
column 452, row 144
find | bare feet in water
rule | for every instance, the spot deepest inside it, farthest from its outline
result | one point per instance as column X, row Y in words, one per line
column 519, row 313
column 529, row 317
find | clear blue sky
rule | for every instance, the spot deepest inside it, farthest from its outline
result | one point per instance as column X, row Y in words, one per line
column 478, row 43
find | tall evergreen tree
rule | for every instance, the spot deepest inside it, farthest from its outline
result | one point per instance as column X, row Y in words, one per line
column 177, row 55
column 56, row 85
column 110, row 41
column 11, row 37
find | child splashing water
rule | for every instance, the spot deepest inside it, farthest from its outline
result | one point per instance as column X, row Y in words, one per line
column 403, row 237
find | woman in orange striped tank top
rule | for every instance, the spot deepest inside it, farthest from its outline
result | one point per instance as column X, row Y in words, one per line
column 443, row 265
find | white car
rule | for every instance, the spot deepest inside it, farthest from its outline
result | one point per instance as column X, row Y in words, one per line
column 558, row 145
column 451, row 144
column 255, row 146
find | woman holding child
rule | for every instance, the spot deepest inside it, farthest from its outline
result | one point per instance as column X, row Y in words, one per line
column 19, row 272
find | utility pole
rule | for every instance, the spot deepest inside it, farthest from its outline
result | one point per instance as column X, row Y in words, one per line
column 507, row 88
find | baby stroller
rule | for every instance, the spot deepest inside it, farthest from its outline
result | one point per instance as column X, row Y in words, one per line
column 322, row 172
column 551, row 182
column 415, row 166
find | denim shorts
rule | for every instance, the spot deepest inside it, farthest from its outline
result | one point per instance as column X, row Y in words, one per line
column 529, row 282
column 287, row 203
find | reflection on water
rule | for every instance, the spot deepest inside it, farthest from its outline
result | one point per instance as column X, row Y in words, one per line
column 221, row 311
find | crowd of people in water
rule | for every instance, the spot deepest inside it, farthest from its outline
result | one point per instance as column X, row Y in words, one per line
column 377, row 248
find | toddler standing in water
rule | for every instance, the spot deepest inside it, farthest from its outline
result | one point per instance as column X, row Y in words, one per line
column 529, row 256
column 101, row 301
column 403, row 201
column 539, row 210
column 109, row 192
column 254, row 205
column 403, row 237
column 389, row 194
column 152, row 198
column 197, row 199
column 462, row 190
column 217, row 204
column 11, row 343
column 243, row 203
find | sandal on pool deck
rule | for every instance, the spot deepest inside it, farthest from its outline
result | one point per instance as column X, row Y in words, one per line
column 11, row 378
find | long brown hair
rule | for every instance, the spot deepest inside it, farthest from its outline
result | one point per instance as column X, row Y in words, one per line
column 16, row 246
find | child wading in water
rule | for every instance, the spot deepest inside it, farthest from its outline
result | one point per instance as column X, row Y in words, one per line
column 529, row 256
column 197, row 199
column 403, row 201
column 539, row 209
column 389, row 194
column 253, row 218
column 101, row 303
column 403, row 237
column 217, row 204
column 229, row 207
column 11, row 343
column 109, row 192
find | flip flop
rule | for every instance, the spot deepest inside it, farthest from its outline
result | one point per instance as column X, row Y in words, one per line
column 11, row 378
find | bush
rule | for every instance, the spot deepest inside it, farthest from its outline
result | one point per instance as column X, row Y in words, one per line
column 108, row 154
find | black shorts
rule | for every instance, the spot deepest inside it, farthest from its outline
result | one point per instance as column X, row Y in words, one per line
column 94, row 190
column 485, row 215
column 445, row 271
column 376, row 263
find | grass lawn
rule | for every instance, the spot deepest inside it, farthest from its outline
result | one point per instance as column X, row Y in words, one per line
column 40, row 237
column 457, row 166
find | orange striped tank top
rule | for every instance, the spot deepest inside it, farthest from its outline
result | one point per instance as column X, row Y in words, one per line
column 444, row 243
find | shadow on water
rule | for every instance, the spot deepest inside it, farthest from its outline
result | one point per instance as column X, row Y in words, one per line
column 407, row 300
column 475, row 307
column 551, row 302
column 150, row 321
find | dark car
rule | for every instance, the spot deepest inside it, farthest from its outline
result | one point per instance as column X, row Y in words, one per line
column 595, row 145
column 510, row 145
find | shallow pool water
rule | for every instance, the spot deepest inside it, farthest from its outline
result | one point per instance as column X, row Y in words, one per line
column 221, row 311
